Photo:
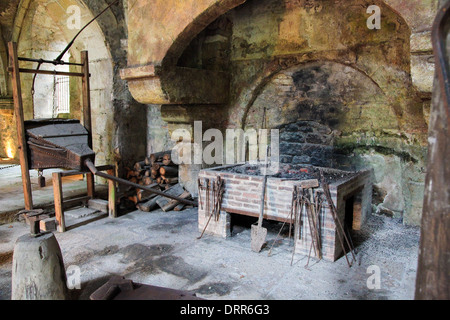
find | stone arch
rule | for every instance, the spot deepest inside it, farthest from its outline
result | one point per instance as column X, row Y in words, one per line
column 19, row 18
column 334, row 77
column 285, row 40
column 416, row 13
column 198, row 24
column 43, row 33
column 313, row 103
column 153, row 51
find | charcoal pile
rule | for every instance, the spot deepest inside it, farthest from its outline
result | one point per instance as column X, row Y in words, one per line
column 293, row 172
column 157, row 171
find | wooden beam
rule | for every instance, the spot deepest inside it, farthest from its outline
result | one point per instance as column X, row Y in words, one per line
column 433, row 268
column 86, row 96
column 90, row 183
column 58, row 195
column 112, row 195
column 77, row 172
column 49, row 72
column 18, row 112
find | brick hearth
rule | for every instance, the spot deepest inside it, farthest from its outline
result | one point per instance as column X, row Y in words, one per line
column 242, row 196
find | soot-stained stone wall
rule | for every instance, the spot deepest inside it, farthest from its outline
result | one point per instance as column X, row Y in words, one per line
column 306, row 142
column 342, row 95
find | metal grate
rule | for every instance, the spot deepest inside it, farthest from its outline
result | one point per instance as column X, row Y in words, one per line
column 62, row 95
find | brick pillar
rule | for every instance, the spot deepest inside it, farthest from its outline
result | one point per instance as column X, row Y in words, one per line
column 220, row 228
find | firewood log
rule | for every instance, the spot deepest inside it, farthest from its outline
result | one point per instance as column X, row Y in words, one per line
column 133, row 179
column 179, row 207
column 168, row 162
column 139, row 174
column 158, row 156
column 173, row 203
column 175, row 190
column 143, row 195
column 156, row 166
column 130, row 173
column 133, row 199
column 154, row 173
column 168, row 171
column 147, row 181
column 139, row 165
column 148, row 205
column 171, row 180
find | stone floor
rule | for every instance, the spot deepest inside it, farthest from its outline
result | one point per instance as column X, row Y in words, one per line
column 11, row 190
column 162, row 249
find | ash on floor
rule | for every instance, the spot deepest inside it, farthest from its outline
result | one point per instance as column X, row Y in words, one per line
column 171, row 256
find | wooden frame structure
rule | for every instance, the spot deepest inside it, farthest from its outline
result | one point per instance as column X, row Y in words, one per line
column 59, row 199
column 15, row 70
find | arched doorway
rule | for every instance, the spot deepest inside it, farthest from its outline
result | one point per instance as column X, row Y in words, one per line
column 46, row 29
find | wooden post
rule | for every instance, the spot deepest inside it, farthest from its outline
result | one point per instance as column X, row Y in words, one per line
column 433, row 281
column 433, row 268
column 112, row 195
column 86, row 96
column 87, row 120
column 90, row 185
column 58, row 195
column 18, row 112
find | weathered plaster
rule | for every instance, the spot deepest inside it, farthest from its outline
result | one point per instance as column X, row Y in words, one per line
column 44, row 34
column 169, row 28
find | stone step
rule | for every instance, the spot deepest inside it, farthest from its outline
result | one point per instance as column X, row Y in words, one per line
column 79, row 213
column 98, row 204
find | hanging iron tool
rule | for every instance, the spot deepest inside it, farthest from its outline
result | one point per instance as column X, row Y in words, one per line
column 338, row 224
column 315, row 207
column 289, row 218
column 218, row 188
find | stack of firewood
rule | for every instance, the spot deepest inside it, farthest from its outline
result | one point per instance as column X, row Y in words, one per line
column 155, row 171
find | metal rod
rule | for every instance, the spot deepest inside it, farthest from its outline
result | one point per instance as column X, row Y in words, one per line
column 296, row 223
column 206, row 226
column 336, row 219
column 49, row 72
column 94, row 170
column 54, row 62
column 281, row 229
column 73, row 40
column 311, row 225
column 200, row 193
